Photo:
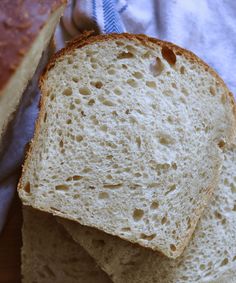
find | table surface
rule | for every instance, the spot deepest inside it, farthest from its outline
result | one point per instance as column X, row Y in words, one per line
column 10, row 244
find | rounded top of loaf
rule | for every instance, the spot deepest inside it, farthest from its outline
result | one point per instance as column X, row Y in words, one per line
column 170, row 51
column 20, row 23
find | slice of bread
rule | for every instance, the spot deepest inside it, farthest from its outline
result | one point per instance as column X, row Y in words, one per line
column 210, row 256
column 50, row 255
column 129, row 139
column 26, row 29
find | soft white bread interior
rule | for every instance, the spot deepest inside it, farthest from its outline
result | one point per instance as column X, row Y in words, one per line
column 12, row 90
column 129, row 139
column 50, row 255
column 210, row 256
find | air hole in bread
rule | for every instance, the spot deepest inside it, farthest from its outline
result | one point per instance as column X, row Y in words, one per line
column 147, row 237
column 132, row 82
column 61, row 188
column 94, row 120
column 104, row 128
column 223, row 221
column 224, row 262
column 70, row 60
column 84, row 91
column 173, row 247
column 233, row 188
column 223, row 98
column 52, row 97
column 221, row 144
column 75, row 79
column 117, row 91
column 163, row 220
column 76, row 196
column 147, row 55
column 174, row 85
column 138, row 75
column 156, row 67
column 97, row 84
column 184, row 91
column 154, row 205
column 120, row 43
column 125, row 229
column 182, row 70
column 136, row 174
column 138, row 214
column 94, row 60
column 212, row 91
column 138, row 141
column 124, row 66
column 103, row 195
column 131, row 48
column 111, row 71
column 170, row 119
column 67, row 91
column 69, row 121
column 45, row 117
column 182, row 99
column 76, row 177
column 72, row 106
column 61, row 144
column 90, row 52
column 202, row 266
column 166, row 140
column 174, row 165
column 168, row 55
column 151, row 84
column 91, row 102
column 218, row 215
column 171, row 188
column 109, row 157
column 112, row 186
column 27, row 187
column 77, row 101
column 125, row 55
column 79, row 138
column 154, row 106
column 94, row 66
column 105, row 101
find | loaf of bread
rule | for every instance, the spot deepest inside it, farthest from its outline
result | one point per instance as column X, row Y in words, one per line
column 210, row 256
column 25, row 30
column 50, row 255
column 129, row 139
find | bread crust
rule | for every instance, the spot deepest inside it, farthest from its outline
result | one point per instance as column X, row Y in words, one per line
column 20, row 24
column 88, row 38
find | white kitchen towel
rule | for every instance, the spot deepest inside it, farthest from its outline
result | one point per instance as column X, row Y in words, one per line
column 206, row 27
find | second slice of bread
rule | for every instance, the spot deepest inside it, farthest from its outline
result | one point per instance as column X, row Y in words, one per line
column 50, row 255
column 129, row 139
column 210, row 256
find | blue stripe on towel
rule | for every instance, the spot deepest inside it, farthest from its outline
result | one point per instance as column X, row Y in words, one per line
column 111, row 18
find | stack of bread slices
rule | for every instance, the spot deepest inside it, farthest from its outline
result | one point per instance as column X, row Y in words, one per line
column 132, row 166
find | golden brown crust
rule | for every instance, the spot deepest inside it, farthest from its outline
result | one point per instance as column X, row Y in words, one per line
column 20, row 23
